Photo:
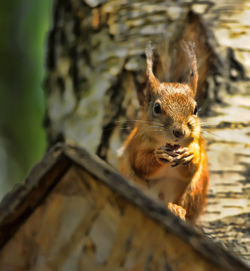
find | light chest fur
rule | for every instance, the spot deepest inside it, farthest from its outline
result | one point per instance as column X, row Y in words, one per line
column 167, row 185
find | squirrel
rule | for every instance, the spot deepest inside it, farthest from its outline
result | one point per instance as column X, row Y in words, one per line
column 165, row 152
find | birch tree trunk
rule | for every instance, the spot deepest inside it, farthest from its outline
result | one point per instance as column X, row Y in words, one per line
column 96, row 65
column 96, row 76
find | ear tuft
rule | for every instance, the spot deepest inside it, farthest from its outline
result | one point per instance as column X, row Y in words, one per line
column 149, row 55
column 151, row 77
column 189, row 49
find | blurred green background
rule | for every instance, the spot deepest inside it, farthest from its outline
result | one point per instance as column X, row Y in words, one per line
column 24, row 25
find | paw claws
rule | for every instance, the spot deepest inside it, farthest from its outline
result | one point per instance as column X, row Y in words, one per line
column 181, row 156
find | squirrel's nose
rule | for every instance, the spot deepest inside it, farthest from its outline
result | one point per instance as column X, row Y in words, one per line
column 178, row 133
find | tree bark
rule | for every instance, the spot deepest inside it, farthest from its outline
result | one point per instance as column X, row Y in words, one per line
column 96, row 65
column 96, row 77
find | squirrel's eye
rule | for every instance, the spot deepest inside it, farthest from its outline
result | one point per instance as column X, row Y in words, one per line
column 196, row 110
column 157, row 108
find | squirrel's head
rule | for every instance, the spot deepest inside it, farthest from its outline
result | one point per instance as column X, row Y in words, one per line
column 170, row 108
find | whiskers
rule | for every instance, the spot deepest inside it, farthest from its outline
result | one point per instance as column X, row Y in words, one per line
column 202, row 127
column 208, row 133
column 146, row 125
column 140, row 121
column 207, row 129
column 205, row 125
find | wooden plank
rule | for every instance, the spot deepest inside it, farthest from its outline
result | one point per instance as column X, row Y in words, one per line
column 17, row 206
column 83, row 225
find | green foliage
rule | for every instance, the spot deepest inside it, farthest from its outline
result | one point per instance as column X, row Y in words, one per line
column 23, row 27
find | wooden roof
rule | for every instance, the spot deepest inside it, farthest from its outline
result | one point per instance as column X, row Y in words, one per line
column 19, row 204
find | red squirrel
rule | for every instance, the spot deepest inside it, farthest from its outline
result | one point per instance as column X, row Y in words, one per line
column 165, row 152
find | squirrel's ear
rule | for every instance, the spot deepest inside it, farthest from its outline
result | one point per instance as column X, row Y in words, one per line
column 153, row 81
column 191, row 56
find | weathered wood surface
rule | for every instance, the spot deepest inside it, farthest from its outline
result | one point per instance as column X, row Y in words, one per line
column 93, row 219
column 22, row 201
column 96, row 61
column 96, row 73
column 96, row 65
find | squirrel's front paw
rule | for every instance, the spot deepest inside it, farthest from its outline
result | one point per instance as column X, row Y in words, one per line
column 184, row 158
column 177, row 210
column 176, row 156
column 164, row 155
